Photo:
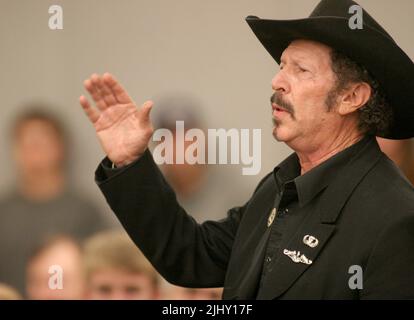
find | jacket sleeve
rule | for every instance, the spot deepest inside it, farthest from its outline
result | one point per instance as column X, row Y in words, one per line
column 184, row 253
column 389, row 272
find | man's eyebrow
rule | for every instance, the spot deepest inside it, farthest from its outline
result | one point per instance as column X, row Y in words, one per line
column 296, row 62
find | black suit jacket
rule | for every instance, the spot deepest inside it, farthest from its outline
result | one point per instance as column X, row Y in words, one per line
column 365, row 217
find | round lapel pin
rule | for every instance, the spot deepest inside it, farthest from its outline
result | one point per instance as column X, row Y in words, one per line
column 310, row 241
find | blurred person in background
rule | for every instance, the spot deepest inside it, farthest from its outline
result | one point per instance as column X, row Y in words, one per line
column 402, row 153
column 41, row 203
column 54, row 270
column 115, row 269
column 9, row 293
column 186, row 179
column 199, row 187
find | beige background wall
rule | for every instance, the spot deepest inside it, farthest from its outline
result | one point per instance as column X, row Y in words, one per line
column 154, row 47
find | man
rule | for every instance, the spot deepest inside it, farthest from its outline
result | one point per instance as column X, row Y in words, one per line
column 187, row 180
column 335, row 220
column 54, row 270
column 115, row 269
column 43, row 202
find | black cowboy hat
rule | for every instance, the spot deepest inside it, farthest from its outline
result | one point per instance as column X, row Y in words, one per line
column 370, row 46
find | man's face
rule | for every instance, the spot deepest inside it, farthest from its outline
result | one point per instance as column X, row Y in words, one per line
column 300, row 113
column 38, row 147
column 39, row 275
column 114, row 284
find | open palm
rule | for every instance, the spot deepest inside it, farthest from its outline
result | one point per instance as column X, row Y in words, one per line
column 123, row 129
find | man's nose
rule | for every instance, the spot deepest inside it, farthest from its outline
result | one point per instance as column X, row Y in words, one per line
column 280, row 83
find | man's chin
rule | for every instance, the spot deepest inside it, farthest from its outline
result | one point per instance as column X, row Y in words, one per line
column 279, row 135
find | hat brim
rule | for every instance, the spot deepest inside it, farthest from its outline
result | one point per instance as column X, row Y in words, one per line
column 378, row 53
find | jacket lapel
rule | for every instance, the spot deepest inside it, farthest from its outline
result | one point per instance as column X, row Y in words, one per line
column 295, row 256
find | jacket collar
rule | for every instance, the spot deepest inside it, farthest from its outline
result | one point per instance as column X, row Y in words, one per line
column 367, row 155
column 313, row 182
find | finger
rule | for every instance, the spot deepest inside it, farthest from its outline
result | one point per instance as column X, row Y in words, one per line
column 105, row 91
column 94, row 93
column 145, row 112
column 119, row 92
column 92, row 113
column 99, row 99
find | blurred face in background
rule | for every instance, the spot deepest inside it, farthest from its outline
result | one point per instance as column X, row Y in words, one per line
column 186, row 179
column 68, row 257
column 118, row 284
column 38, row 147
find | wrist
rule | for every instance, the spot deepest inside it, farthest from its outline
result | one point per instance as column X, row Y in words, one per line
column 124, row 163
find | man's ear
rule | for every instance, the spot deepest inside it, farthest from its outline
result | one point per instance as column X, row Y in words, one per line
column 356, row 96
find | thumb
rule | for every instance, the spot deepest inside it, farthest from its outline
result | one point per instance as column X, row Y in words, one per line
column 145, row 112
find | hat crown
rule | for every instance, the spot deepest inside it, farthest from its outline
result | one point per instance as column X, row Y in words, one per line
column 340, row 9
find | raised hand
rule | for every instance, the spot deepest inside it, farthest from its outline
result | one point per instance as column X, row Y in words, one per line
column 123, row 129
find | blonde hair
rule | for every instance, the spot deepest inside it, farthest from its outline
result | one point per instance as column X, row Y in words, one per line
column 114, row 250
column 9, row 293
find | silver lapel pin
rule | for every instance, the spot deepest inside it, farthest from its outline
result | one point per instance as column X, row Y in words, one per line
column 310, row 241
column 297, row 257
column 272, row 216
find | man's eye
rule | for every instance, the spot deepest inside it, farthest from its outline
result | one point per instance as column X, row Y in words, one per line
column 132, row 290
column 302, row 69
